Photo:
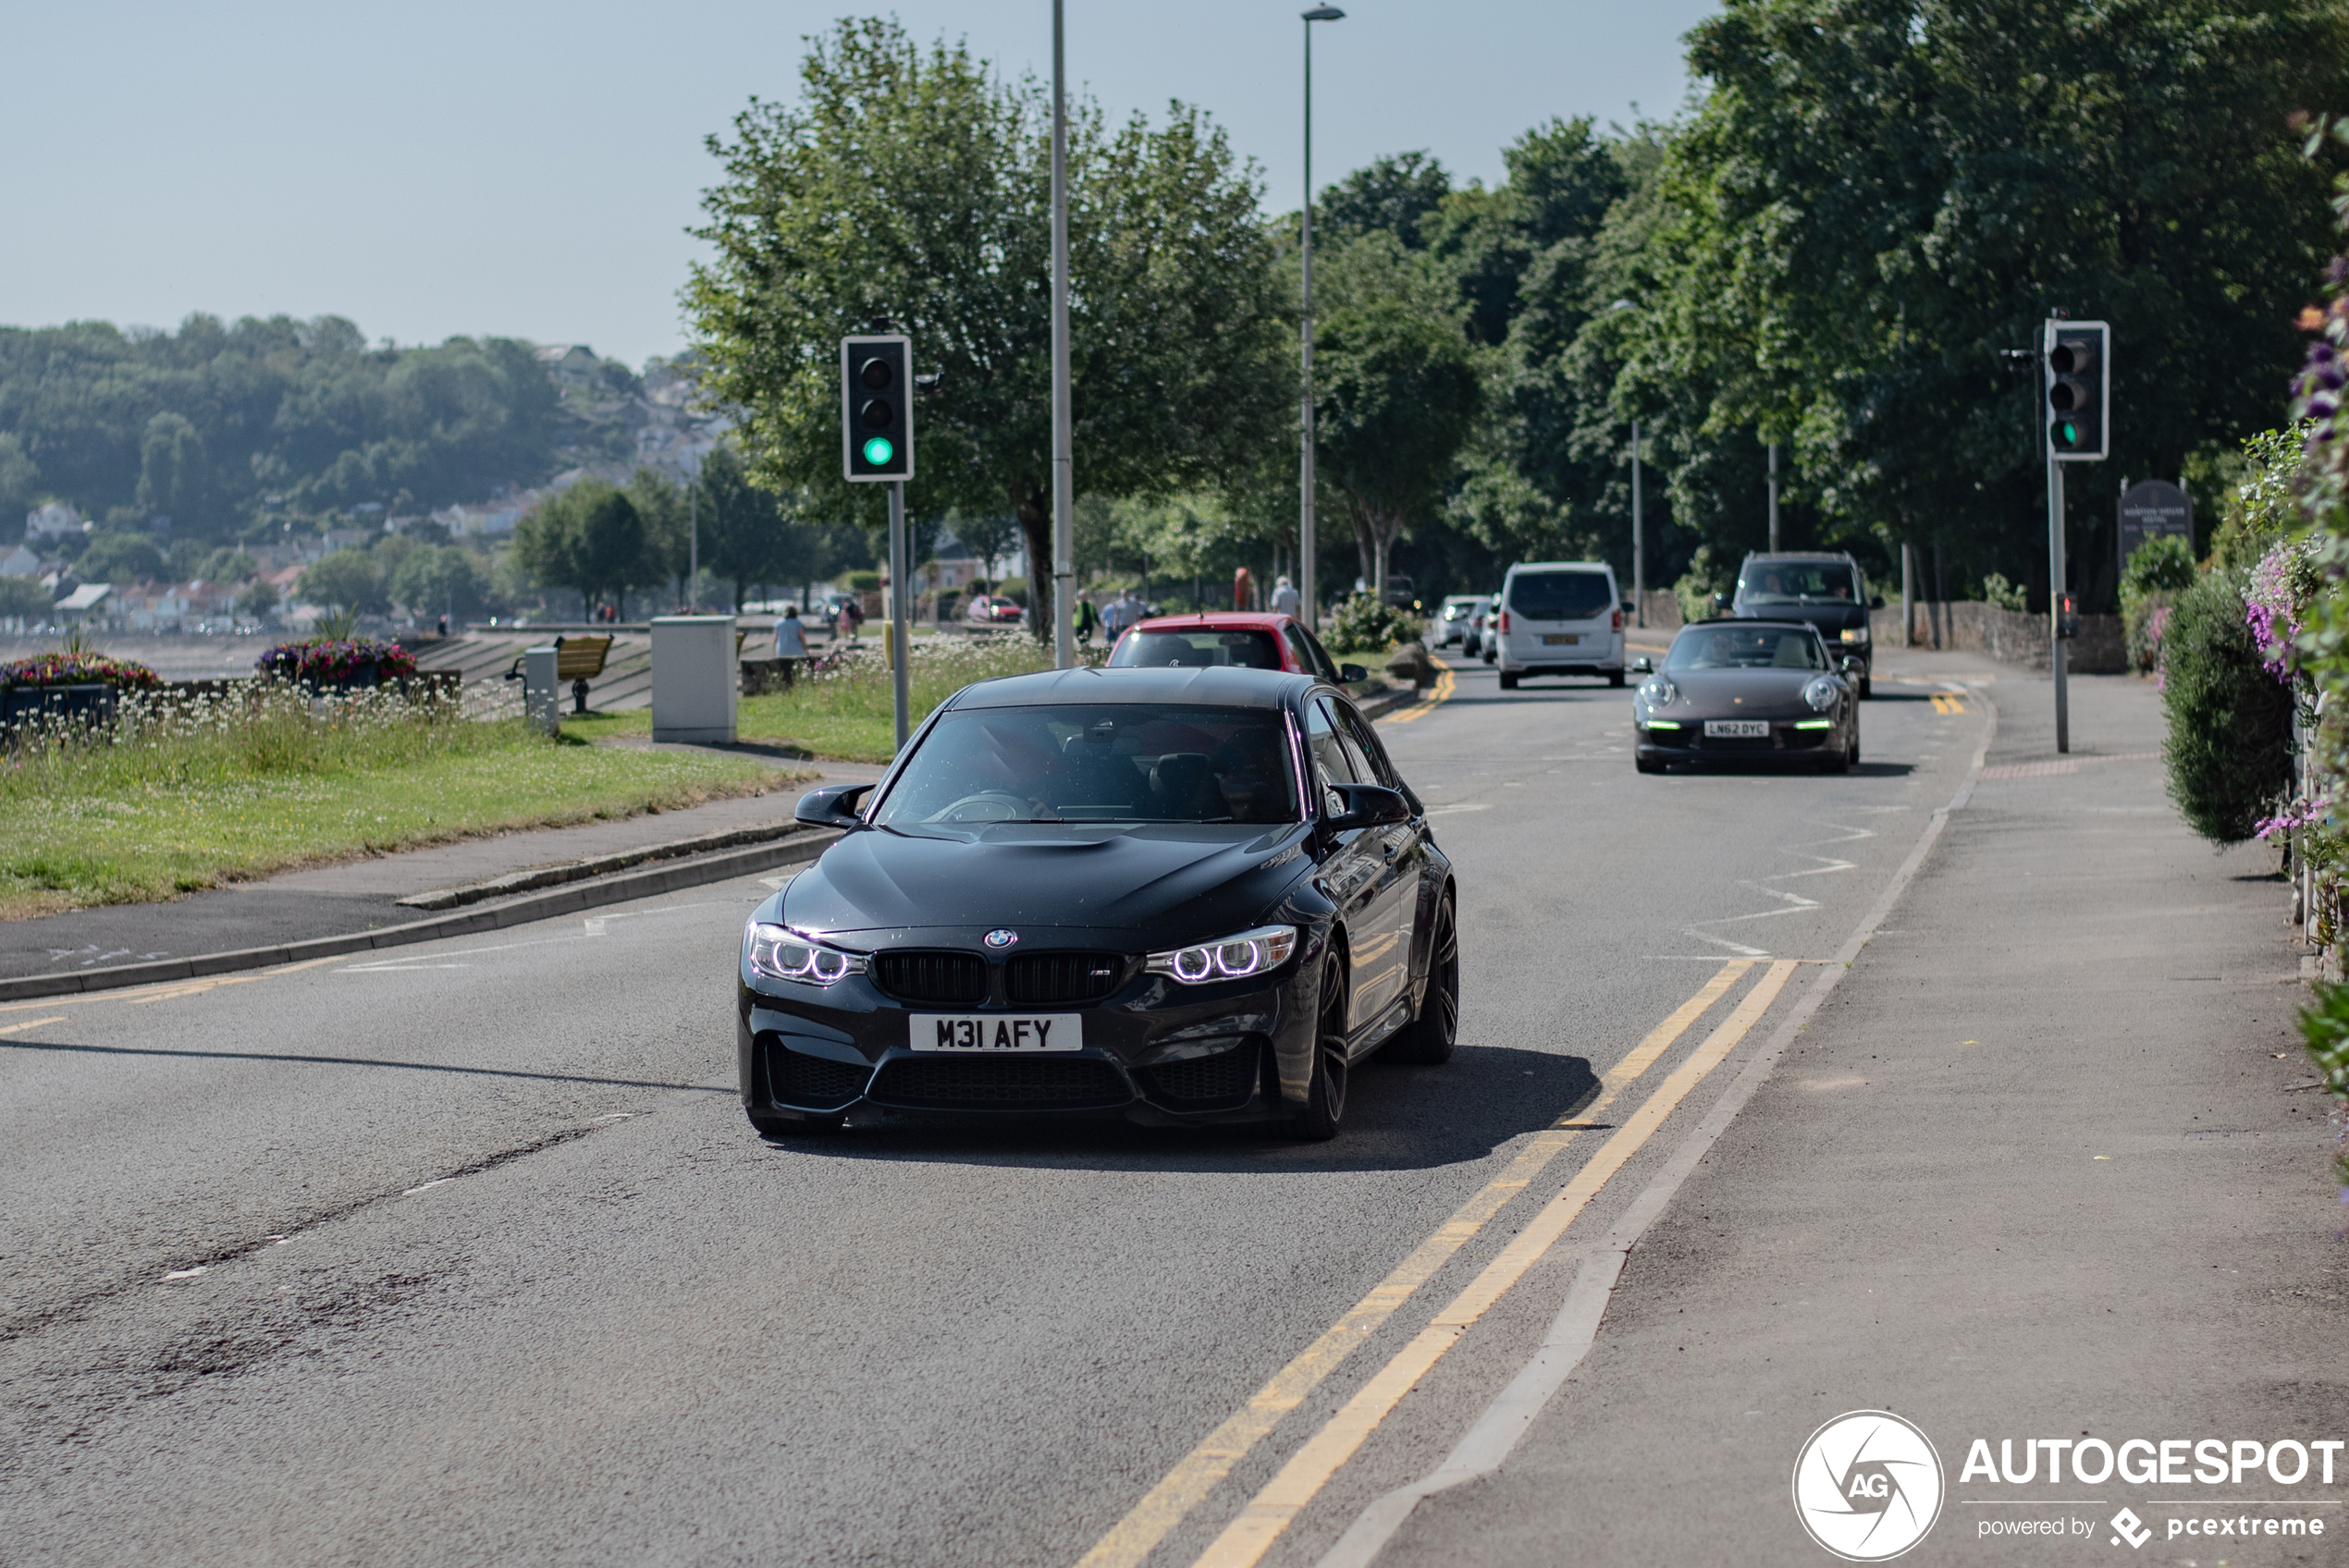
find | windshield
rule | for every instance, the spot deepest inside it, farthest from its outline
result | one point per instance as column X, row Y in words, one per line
column 1798, row 582
column 1755, row 647
column 1110, row 762
column 1560, row 595
column 1197, row 649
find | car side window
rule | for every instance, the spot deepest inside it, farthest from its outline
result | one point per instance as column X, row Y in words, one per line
column 1359, row 742
column 1299, row 649
column 1332, row 762
column 1322, row 664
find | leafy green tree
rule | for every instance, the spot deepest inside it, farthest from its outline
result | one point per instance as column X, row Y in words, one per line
column 175, row 472
column 258, row 601
column 20, row 477
column 915, row 184
column 119, row 558
column 662, row 505
column 440, row 579
column 1874, row 198
column 349, row 579
column 986, row 536
column 1396, row 387
column 1392, row 195
column 23, row 599
column 589, row 538
column 745, row 538
column 2229, row 750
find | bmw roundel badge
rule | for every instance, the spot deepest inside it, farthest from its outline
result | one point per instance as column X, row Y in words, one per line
column 999, row 940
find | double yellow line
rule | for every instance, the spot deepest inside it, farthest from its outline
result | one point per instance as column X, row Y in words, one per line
column 1948, row 702
column 1247, row 1539
column 1440, row 692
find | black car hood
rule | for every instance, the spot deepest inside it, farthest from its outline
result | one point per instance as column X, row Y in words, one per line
column 1154, row 884
column 1740, row 693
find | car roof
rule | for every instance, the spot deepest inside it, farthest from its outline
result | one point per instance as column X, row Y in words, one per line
column 1750, row 623
column 1269, row 621
column 1559, row 566
column 1798, row 555
column 1222, row 686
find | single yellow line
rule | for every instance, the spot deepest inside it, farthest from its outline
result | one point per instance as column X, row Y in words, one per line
column 30, row 1024
column 169, row 990
column 1198, row 1473
column 1310, row 1469
column 1440, row 692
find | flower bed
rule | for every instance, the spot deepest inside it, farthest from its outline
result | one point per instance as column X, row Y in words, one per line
column 330, row 661
column 78, row 669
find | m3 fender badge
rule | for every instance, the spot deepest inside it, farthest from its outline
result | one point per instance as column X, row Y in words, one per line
column 1001, row 939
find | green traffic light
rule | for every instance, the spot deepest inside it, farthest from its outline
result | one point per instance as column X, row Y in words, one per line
column 877, row 451
column 2066, row 433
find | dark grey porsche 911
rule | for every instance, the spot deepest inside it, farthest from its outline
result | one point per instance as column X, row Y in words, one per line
column 1747, row 692
column 1171, row 895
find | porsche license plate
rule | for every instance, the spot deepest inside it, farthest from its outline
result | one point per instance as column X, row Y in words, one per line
column 996, row 1033
column 1561, row 639
column 1737, row 729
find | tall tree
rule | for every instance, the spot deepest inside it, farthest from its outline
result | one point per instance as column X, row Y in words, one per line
column 1877, row 196
column 589, row 538
column 746, row 538
column 915, row 184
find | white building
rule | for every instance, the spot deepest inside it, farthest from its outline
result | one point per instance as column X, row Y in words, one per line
column 50, row 521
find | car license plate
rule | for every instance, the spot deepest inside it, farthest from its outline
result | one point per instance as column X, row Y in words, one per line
column 995, row 1034
column 1737, row 729
column 1561, row 639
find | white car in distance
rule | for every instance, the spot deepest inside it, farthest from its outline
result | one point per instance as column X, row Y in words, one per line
column 1559, row 618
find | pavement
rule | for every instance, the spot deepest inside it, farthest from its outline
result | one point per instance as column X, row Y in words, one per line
column 360, row 894
column 465, row 1255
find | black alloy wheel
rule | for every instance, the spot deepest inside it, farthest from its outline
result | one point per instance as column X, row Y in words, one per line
column 1509, row 682
column 1615, row 677
column 1646, row 765
column 1326, row 1092
column 1867, row 690
column 1427, row 1040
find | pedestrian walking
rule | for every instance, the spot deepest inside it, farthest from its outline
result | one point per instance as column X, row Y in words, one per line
column 1284, row 599
column 1088, row 619
column 790, row 638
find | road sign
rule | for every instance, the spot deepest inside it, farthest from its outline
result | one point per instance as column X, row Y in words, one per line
column 2152, row 508
column 2078, row 359
column 876, row 408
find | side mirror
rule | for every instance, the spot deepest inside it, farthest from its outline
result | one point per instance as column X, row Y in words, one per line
column 1643, row 666
column 1350, row 673
column 1720, row 601
column 1368, row 806
column 834, row 805
column 1850, row 664
column 1875, row 602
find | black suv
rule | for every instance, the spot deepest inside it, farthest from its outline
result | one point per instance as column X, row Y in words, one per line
column 1825, row 590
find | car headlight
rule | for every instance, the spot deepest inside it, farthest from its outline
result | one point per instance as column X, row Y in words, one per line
column 1232, row 958
column 1855, row 634
column 781, row 954
column 1820, row 694
column 1658, row 693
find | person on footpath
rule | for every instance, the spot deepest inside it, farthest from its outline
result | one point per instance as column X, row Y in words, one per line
column 1124, row 613
column 1284, row 599
column 790, row 638
column 851, row 616
column 1087, row 620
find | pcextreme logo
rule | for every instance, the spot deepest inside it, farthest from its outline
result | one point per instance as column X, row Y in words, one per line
column 1868, row 1486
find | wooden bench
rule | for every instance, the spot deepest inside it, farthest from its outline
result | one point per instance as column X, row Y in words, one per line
column 577, row 660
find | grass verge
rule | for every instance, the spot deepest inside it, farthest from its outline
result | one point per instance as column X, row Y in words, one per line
column 845, row 710
column 184, row 798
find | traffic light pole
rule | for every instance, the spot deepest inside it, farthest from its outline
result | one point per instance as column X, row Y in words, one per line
column 2055, row 598
column 1639, row 539
column 901, row 605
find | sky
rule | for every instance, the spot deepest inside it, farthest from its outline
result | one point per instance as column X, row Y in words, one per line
column 437, row 169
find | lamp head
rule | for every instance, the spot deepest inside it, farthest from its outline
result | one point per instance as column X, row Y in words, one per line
column 1324, row 14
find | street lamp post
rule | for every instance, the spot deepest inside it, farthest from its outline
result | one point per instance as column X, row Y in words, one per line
column 1307, row 590
column 1063, row 479
column 1639, row 539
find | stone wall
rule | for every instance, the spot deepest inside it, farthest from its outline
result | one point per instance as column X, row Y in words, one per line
column 1972, row 626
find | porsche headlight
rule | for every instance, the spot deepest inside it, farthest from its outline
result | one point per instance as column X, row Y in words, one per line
column 1820, row 694
column 1232, row 958
column 1658, row 693
column 781, row 953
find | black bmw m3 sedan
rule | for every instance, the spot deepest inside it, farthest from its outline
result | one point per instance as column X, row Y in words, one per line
column 1173, row 895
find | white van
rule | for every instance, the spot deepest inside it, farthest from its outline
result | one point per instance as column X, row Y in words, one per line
column 1559, row 618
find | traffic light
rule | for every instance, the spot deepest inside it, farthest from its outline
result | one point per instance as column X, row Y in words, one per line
column 2067, row 616
column 877, row 407
column 2079, row 376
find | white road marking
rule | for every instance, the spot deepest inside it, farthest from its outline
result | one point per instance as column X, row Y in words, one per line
column 435, row 1182
column 188, row 1273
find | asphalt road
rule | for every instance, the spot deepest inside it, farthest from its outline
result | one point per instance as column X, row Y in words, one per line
column 466, row 1254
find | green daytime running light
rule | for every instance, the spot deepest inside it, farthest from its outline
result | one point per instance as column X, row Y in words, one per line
column 1662, row 724
column 877, row 451
column 1815, row 724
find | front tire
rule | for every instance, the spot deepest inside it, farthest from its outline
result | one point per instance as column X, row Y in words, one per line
column 1427, row 1040
column 1509, row 682
column 1325, row 1092
column 1867, row 689
column 1615, row 677
column 1647, row 765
